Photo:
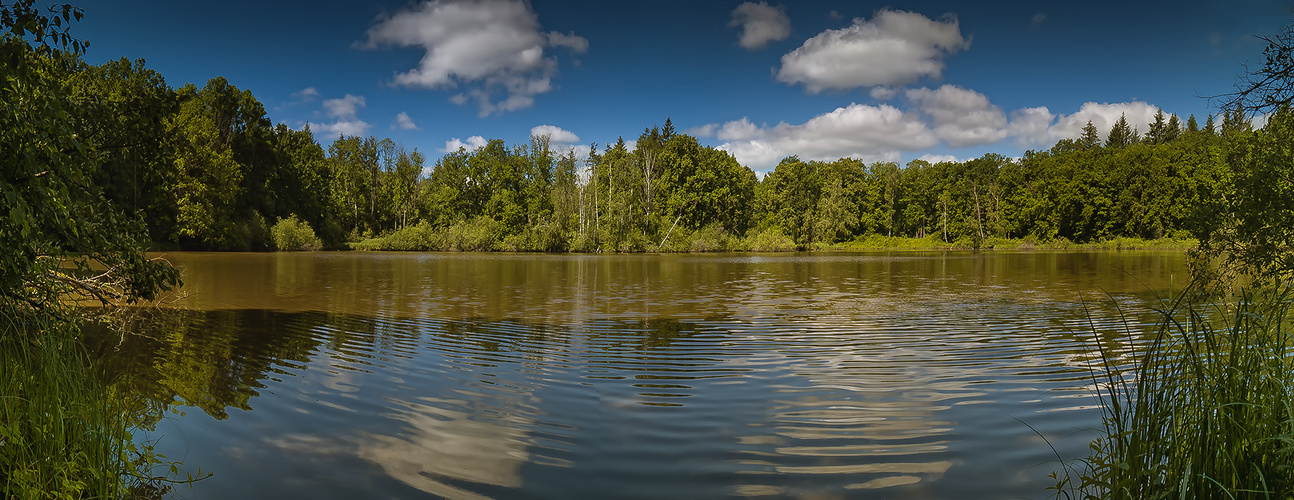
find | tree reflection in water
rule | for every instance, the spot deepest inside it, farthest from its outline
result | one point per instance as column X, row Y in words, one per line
column 518, row 377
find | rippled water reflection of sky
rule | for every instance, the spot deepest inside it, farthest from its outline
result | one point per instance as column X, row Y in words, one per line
column 542, row 376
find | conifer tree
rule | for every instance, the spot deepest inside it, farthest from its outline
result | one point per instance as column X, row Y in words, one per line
column 1173, row 130
column 667, row 131
column 1156, row 133
column 1089, row 139
column 1121, row 134
column 1234, row 121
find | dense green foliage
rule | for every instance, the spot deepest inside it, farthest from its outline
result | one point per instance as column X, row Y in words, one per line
column 204, row 169
column 56, row 224
column 63, row 133
column 1249, row 230
column 1202, row 407
column 294, row 234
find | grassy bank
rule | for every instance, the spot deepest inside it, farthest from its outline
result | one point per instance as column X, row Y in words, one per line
column 481, row 235
column 64, row 432
column 62, row 438
column 878, row 242
column 1204, row 410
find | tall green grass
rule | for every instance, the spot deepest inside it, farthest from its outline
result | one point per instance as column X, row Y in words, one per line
column 1204, row 410
column 64, row 432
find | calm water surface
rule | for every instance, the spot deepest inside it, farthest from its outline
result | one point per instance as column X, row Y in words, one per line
column 405, row 375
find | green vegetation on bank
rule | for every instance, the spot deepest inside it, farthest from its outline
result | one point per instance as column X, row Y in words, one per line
column 292, row 234
column 1204, row 409
column 1203, row 406
column 477, row 236
column 64, row 432
column 877, row 242
column 204, row 169
column 669, row 192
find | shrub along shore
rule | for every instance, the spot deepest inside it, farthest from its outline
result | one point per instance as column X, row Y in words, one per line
column 478, row 236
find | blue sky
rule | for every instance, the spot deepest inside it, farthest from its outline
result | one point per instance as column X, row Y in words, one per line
column 821, row 79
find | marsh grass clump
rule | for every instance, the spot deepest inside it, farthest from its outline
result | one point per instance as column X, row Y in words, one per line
column 1206, row 410
column 64, row 428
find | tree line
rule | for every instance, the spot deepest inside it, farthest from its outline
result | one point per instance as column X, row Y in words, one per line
column 203, row 168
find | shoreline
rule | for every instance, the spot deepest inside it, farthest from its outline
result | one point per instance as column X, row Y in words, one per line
column 875, row 243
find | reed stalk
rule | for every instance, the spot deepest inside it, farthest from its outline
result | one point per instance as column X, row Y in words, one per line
column 64, row 429
column 1204, row 411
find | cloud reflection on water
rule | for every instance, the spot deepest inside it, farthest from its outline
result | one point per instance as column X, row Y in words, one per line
column 440, row 446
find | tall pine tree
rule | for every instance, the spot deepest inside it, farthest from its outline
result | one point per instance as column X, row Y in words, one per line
column 1089, row 139
column 1121, row 134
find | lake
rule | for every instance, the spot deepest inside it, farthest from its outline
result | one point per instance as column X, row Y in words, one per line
column 800, row 375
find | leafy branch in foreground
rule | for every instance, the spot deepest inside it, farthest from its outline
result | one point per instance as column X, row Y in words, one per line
column 64, row 432
column 1250, row 232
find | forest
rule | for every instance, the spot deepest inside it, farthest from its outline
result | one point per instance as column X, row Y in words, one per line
column 204, row 168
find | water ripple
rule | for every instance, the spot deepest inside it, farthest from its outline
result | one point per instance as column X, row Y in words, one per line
column 637, row 376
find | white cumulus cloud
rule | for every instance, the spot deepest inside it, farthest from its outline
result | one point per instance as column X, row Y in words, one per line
column 739, row 130
column 562, row 141
column 1039, row 127
column 893, row 48
column 488, row 47
column 961, row 117
column 555, row 134
column 472, row 143
column 934, row 158
column 354, row 128
column 1103, row 116
column 869, row 133
column 760, row 23
column 1031, row 126
column 404, row 122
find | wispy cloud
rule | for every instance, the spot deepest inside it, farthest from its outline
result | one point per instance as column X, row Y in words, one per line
column 306, row 95
column 345, row 114
column 760, row 23
column 303, row 96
